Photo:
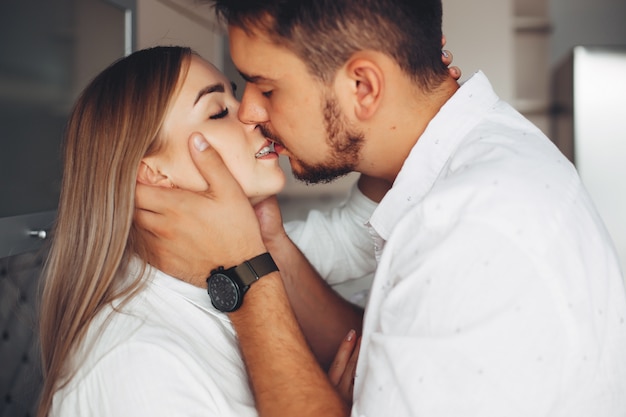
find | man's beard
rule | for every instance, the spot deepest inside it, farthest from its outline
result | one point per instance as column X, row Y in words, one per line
column 345, row 148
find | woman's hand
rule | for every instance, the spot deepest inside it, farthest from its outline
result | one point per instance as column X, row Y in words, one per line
column 271, row 222
column 446, row 57
column 343, row 368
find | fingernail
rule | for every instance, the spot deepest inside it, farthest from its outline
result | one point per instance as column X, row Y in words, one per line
column 350, row 335
column 200, row 143
column 444, row 53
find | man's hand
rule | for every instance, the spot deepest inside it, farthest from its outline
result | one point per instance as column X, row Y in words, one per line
column 189, row 234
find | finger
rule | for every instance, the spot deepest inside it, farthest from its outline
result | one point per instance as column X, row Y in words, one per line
column 266, row 205
column 346, row 385
column 155, row 199
column 338, row 366
column 143, row 218
column 443, row 41
column 268, row 213
column 211, row 165
column 455, row 72
column 446, row 57
column 154, row 208
column 143, row 197
column 148, row 237
column 354, row 358
column 152, row 226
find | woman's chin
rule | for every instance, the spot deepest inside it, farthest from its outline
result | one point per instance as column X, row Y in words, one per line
column 257, row 199
column 270, row 188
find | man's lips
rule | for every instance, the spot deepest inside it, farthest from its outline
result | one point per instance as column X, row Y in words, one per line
column 265, row 131
column 278, row 148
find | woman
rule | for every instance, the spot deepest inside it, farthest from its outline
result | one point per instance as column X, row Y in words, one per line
column 118, row 336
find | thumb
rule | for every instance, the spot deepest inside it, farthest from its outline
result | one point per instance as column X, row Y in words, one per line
column 211, row 165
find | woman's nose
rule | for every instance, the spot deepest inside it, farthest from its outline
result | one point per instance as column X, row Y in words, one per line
column 252, row 107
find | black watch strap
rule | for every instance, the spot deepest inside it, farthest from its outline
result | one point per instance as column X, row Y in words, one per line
column 253, row 269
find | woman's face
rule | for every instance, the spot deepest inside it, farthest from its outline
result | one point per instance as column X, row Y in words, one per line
column 205, row 103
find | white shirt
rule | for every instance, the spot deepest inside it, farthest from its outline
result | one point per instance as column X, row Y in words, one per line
column 498, row 291
column 338, row 243
column 168, row 353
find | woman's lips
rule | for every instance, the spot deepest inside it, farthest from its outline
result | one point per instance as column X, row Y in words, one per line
column 266, row 149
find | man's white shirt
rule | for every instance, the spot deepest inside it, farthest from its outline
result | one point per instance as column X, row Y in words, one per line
column 498, row 291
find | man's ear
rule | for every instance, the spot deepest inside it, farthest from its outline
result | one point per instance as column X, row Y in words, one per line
column 150, row 175
column 367, row 77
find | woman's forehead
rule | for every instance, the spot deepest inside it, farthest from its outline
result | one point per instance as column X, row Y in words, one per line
column 200, row 67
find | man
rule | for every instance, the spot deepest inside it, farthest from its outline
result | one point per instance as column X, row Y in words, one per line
column 497, row 290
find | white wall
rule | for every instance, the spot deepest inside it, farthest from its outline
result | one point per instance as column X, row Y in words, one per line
column 480, row 35
column 179, row 22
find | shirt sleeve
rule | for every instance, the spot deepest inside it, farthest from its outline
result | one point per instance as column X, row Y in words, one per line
column 337, row 242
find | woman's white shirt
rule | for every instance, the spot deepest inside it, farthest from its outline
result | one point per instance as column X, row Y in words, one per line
column 167, row 352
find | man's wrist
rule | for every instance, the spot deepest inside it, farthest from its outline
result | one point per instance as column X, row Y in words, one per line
column 227, row 287
column 263, row 292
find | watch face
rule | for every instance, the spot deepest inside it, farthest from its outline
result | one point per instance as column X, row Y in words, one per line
column 224, row 293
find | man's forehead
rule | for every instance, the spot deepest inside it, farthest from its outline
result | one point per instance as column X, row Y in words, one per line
column 259, row 59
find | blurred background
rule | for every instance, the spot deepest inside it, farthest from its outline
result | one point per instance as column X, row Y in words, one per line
column 562, row 63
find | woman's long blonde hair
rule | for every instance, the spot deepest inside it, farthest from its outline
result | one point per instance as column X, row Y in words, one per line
column 114, row 124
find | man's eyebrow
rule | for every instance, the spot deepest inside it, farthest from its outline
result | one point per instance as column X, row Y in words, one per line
column 213, row 88
column 254, row 78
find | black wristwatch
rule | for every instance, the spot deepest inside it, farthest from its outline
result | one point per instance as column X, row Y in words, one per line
column 226, row 287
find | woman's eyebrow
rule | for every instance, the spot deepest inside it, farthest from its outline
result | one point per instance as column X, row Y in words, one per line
column 213, row 88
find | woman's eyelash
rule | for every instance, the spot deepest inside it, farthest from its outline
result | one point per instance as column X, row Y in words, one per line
column 220, row 115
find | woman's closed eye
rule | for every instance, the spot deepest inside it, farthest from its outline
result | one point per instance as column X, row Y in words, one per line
column 223, row 113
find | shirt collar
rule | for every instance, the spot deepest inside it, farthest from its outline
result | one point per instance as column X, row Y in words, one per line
column 430, row 153
column 195, row 295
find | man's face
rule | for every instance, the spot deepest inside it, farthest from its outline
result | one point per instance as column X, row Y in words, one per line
column 294, row 109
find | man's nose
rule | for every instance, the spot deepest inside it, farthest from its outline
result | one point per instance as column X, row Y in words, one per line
column 252, row 107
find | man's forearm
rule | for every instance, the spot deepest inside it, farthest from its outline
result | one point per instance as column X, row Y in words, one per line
column 324, row 316
column 283, row 371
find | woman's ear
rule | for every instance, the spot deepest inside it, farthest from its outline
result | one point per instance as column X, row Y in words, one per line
column 367, row 79
column 150, row 175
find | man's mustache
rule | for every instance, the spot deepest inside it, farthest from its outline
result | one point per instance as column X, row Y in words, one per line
column 265, row 130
